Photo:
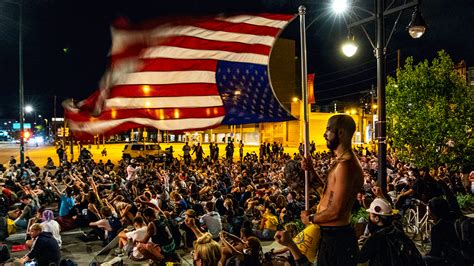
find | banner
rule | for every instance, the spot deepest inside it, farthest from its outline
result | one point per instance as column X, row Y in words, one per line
column 311, row 98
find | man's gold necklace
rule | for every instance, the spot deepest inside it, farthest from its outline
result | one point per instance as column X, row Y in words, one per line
column 340, row 156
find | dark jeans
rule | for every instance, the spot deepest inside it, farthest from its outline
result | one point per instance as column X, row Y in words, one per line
column 338, row 246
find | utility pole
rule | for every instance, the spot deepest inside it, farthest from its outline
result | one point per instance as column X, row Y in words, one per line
column 54, row 118
column 21, row 88
column 398, row 59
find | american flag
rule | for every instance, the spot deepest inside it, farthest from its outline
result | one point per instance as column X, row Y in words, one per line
column 184, row 74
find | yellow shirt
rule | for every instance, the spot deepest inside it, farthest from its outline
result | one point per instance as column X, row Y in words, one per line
column 271, row 221
column 308, row 241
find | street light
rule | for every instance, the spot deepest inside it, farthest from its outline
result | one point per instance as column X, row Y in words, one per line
column 417, row 26
column 339, row 6
column 28, row 109
column 416, row 29
column 349, row 48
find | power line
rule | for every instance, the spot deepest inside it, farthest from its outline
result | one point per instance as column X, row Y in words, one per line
column 356, row 66
column 357, row 92
column 350, row 75
column 346, row 85
column 345, row 95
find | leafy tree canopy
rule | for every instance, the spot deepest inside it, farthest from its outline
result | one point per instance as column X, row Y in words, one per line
column 430, row 114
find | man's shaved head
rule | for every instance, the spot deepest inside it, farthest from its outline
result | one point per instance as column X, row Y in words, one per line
column 344, row 122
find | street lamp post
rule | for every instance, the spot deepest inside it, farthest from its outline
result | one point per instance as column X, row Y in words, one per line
column 416, row 29
column 21, row 95
column 21, row 89
column 381, row 130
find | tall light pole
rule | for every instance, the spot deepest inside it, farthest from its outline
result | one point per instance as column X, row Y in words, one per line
column 416, row 29
column 21, row 94
column 20, row 88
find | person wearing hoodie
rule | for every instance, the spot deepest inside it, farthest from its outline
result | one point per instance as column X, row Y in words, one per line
column 45, row 249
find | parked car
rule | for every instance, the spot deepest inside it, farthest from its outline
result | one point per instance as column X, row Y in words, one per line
column 144, row 150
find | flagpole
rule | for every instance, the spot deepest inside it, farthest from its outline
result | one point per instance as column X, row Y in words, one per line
column 304, row 90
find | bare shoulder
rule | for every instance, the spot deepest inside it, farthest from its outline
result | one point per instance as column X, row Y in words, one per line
column 349, row 168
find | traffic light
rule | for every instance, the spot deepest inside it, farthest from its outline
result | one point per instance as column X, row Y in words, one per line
column 26, row 135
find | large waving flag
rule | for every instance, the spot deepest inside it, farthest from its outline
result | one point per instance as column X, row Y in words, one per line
column 184, row 74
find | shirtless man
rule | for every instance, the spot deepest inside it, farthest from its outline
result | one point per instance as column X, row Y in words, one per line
column 338, row 244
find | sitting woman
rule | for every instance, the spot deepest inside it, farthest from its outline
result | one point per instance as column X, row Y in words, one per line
column 50, row 164
column 268, row 224
column 50, row 225
column 247, row 251
column 206, row 252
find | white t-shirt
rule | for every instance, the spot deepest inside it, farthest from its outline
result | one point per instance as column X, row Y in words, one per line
column 54, row 228
column 134, row 235
column 131, row 173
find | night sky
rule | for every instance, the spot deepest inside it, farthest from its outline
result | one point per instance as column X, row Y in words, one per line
column 65, row 43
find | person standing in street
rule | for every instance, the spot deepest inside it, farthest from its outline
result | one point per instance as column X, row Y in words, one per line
column 187, row 154
column 60, row 152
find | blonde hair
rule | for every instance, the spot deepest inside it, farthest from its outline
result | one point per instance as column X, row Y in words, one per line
column 36, row 227
column 208, row 250
column 228, row 203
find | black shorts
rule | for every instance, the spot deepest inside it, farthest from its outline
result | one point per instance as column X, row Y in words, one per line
column 338, row 246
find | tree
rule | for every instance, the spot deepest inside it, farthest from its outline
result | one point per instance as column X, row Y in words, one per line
column 430, row 114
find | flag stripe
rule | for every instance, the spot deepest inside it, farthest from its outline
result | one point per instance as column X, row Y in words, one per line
column 198, row 43
column 270, row 21
column 170, row 90
column 163, row 102
column 151, row 113
column 213, row 35
column 98, row 127
column 169, row 77
column 170, row 64
column 220, row 25
column 122, row 39
column 184, row 53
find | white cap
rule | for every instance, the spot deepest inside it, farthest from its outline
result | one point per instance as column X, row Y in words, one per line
column 380, row 207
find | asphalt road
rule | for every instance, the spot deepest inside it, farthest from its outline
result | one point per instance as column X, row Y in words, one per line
column 9, row 149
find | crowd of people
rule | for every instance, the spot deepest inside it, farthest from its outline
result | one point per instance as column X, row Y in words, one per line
column 155, row 207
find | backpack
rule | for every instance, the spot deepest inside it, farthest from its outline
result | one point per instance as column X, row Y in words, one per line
column 464, row 228
column 402, row 250
column 11, row 226
column 4, row 203
column 4, row 253
column 3, row 228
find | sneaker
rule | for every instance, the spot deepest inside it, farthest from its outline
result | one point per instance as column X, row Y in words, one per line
column 119, row 252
